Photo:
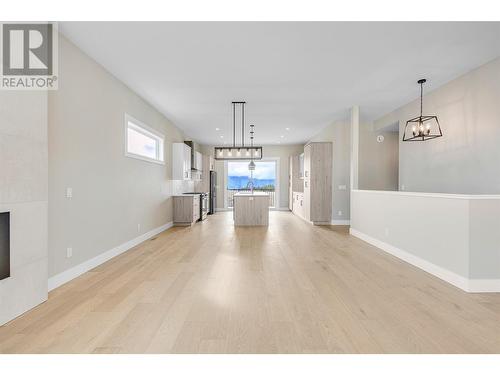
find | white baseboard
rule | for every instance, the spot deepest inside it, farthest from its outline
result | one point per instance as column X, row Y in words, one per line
column 484, row 285
column 341, row 222
column 221, row 209
column 468, row 285
column 70, row 274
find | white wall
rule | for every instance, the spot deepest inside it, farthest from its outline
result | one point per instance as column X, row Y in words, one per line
column 112, row 193
column 339, row 133
column 23, row 192
column 454, row 237
column 466, row 159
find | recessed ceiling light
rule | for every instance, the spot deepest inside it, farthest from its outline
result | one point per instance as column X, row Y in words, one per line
column 217, row 129
column 282, row 136
column 222, row 136
column 279, row 142
column 287, row 128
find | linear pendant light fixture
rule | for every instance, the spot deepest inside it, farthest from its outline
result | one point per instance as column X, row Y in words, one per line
column 239, row 152
column 422, row 128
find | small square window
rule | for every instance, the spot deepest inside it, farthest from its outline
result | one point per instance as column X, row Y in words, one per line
column 142, row 142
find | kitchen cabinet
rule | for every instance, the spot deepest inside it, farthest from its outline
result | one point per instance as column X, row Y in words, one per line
column 295, row 183
column 307, row 182
column 301, row 165
column 186, row 209
column 251, row 209
column 204, row 183
column 211, row 163
column 198, row 161
column 181, row 161
column 298, row 204
column 317, row 201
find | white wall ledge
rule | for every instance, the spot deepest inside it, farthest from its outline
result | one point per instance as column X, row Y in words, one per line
column 430, row 195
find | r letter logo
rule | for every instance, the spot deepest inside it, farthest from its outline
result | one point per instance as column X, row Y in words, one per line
column 29, row 56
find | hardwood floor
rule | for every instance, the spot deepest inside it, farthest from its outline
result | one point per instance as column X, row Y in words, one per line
column 288, row 288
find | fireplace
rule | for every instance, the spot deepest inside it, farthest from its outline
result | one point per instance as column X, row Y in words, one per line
column 4, row 245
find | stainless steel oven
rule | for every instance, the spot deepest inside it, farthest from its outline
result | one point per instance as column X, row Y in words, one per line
column 203, row 204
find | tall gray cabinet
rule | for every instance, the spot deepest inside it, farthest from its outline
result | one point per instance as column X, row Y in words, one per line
column 318, row 163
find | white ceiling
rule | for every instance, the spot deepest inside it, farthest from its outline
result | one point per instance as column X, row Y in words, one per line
column 297, row 75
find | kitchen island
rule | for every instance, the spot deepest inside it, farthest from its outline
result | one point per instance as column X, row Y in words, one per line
column 251, row 209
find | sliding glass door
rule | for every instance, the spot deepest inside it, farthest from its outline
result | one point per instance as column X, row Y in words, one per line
column 239, row 178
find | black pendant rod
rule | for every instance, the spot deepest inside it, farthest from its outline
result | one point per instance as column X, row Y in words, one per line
column 421, row 82
column 242, row 104
column 243, row 125
column 234, row 124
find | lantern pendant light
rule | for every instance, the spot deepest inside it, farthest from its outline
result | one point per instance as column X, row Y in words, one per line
column 422, row 128
column 251, row 165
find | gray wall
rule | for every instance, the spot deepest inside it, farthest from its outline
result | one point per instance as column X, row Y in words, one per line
column 378, row 162
column 467, row 158
column 339, row 133
column 23, row 192
column 112, row 193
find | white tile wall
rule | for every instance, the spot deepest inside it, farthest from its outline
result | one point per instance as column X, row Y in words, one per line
column 23, row 192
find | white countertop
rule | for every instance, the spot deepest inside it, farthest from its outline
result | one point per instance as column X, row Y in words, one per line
column 254, row 194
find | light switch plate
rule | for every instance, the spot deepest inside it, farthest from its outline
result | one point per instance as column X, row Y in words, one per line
column 69, row 192
column 69, row 252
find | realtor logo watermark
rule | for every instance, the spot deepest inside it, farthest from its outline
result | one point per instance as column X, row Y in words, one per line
column 29, row 56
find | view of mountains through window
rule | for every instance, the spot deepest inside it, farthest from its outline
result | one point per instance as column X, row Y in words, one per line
column 264, row 175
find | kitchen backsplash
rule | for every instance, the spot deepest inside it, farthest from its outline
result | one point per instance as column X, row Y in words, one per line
column 180, row 186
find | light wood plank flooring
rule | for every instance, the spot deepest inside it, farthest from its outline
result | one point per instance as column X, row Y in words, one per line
column 288, row 288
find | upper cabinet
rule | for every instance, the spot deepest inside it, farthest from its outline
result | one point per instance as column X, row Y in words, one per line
column 301, row 165
column 211, row 163
column 198, row 158
column 181, row 161
column 296, row 181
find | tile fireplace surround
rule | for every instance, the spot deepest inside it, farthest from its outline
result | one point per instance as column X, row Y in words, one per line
column 23, row 193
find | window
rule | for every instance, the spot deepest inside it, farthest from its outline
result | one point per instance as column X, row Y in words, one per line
column 264, row 179
column 142, row 142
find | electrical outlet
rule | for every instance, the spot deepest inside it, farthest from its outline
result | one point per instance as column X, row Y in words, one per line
column 138, row 227
column 69, row 252
column 339, row 213
column 386, row 232
column 402, row 187
column 69, row 192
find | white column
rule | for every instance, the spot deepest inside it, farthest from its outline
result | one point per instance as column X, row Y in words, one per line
column 354, row 146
